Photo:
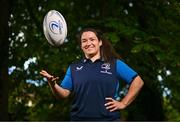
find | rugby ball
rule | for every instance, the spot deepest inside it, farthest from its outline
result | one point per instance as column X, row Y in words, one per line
column 54, row 28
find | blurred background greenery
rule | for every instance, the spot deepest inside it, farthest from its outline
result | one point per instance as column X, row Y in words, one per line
column 145, row 33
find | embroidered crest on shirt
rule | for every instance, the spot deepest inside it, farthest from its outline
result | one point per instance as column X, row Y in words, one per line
column 79, row 68
column 105, row 67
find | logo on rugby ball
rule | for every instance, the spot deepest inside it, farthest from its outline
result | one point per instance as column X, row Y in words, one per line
column 55, row 27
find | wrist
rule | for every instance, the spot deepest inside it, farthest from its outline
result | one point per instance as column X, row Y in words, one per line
column 124, row 103
column 52, row 83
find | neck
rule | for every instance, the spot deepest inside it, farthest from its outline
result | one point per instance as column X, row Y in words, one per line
column 93, row 57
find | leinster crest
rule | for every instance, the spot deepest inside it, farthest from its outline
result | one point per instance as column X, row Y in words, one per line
column 105, row 68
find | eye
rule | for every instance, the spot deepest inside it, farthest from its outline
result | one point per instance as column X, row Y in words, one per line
column 83, row 40
column 92, row 39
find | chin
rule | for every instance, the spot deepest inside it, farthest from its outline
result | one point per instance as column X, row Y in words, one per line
column 90, row 54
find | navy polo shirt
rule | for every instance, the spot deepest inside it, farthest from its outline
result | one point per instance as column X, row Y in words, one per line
column 91, row 82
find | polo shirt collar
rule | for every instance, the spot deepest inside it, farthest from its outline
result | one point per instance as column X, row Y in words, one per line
column 86, row 60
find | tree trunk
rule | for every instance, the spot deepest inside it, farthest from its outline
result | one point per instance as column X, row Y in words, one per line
column 4, row 44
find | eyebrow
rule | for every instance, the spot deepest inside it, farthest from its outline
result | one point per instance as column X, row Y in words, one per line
column 89, row 38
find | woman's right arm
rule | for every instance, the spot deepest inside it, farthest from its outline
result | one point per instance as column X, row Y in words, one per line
column 57, row 90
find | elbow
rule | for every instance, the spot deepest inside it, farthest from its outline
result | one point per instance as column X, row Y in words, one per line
column 65, row 93
column 64, row 96
column 138, row 82
column 141, row 82
column 60, row 92
column 60, row 96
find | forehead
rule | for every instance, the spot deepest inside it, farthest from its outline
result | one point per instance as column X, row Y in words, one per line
column 88, row 34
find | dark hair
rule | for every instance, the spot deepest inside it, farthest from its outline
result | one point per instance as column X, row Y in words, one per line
column 108, row 53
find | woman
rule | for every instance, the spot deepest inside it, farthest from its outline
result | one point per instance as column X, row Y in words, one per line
column 94, row 81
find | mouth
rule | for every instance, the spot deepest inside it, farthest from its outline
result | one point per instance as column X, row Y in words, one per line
column 89, row 47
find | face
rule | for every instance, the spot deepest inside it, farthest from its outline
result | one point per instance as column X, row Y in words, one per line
column 90, row 44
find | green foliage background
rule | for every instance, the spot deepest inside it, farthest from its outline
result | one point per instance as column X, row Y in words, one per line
column 145, row 33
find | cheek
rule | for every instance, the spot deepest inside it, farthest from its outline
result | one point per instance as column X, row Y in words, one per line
column 82, row 45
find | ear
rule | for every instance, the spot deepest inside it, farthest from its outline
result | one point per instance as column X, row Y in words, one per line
column 100, row 43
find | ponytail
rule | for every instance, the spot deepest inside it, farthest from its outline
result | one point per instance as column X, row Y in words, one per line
column 108, row 53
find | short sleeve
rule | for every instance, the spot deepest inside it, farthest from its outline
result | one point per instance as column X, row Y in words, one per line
column 124, row 72
column 67, row 81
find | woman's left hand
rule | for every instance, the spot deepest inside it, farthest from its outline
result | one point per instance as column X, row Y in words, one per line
column 113, row 105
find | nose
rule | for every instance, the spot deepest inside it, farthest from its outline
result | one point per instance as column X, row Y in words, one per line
column 88, row 42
